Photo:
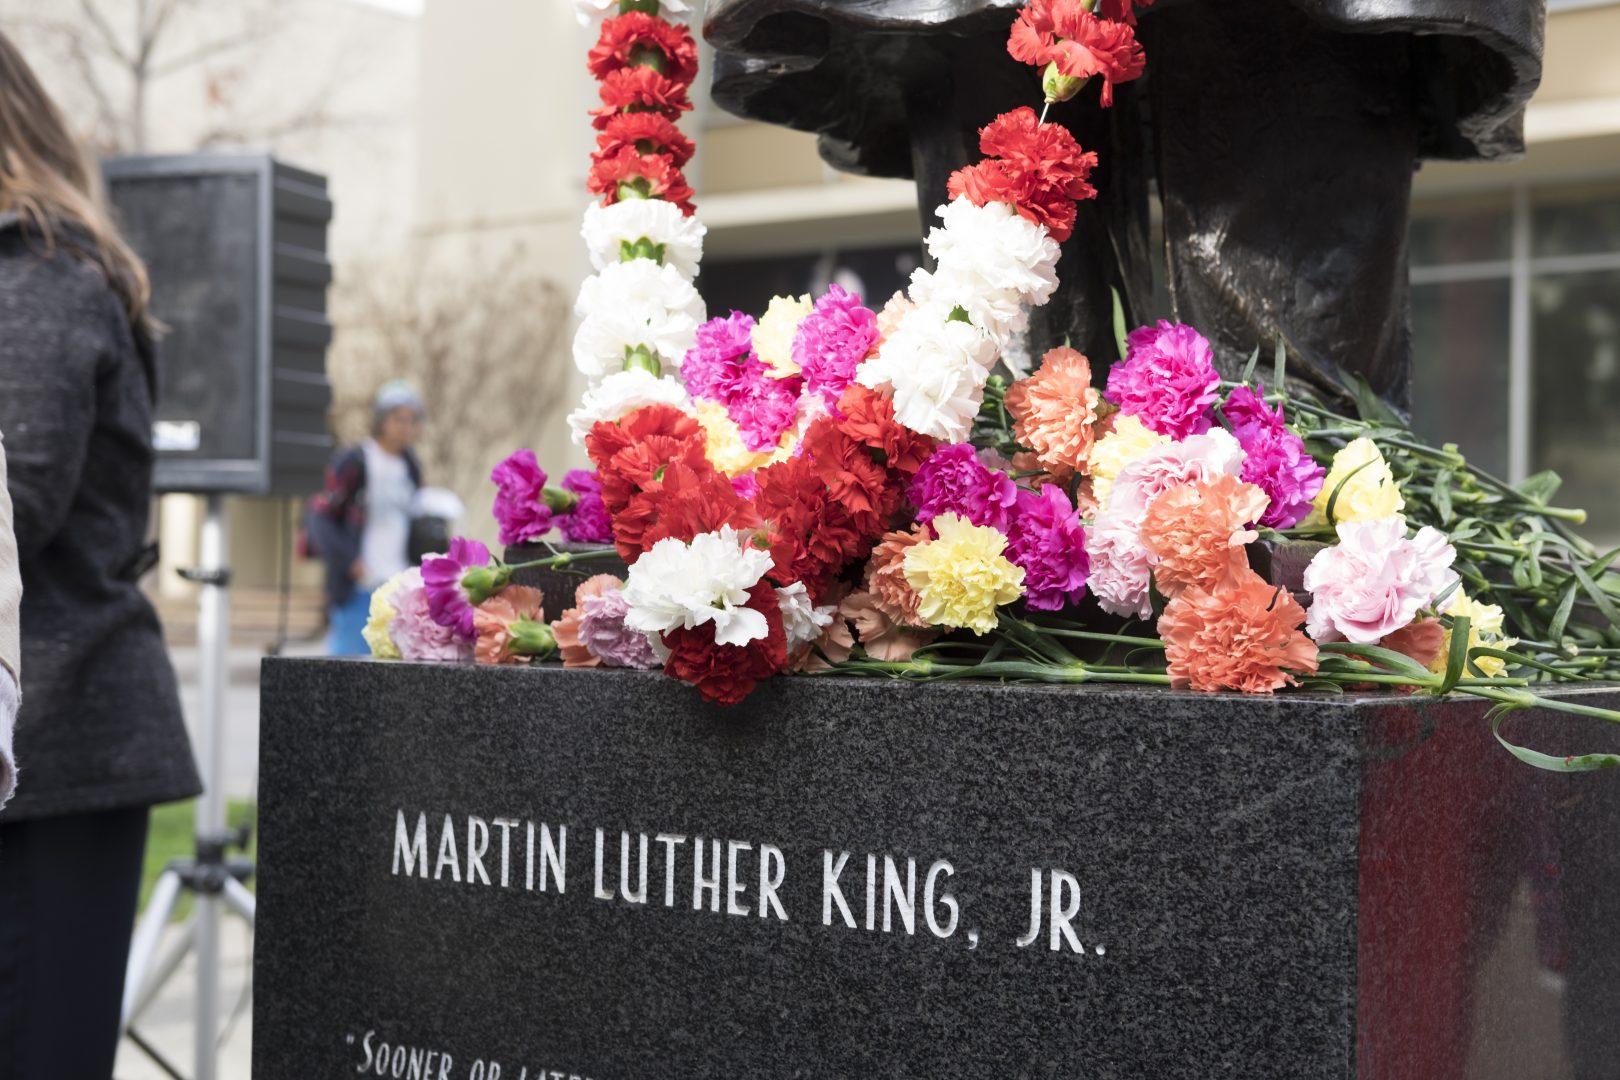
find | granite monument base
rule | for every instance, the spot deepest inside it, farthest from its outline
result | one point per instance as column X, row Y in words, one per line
column 510, row 874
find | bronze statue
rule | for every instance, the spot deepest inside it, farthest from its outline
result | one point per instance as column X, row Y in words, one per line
column 1280, row 136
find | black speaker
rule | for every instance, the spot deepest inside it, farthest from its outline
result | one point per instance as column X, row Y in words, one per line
column 236, row 248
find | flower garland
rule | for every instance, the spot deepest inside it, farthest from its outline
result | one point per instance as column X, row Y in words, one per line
column 834, row 488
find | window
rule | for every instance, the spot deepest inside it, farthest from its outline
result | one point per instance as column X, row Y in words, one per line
column 1516, row 336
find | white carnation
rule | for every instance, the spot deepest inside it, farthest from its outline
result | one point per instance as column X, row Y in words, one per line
column 802, row 621
column 936, row 368
column 638, row 303
column 1121, row 567
column 590, row 13
column 676, row 584
column 621, row 393
column 990, row 262
column 607, row 227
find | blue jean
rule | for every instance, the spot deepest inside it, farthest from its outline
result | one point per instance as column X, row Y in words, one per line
column 343, row 636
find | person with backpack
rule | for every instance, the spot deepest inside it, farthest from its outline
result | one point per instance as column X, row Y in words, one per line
column 360, row 524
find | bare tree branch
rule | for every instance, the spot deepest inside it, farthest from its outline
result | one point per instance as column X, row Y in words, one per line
column 109, row 37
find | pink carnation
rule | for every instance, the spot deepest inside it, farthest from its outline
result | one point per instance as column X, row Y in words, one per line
column 1275, row 459
column 1121, row 567
column 722, row 367
column 414, row 632
column 520, row 507
column 1196, row 458
column 954, row 481
column 602, row 631
column 1375, row 580
column 714, row 365
column 832, row 341
column 1046, row 539
column 588, row 521
column 1167, row 379
column 441, row 577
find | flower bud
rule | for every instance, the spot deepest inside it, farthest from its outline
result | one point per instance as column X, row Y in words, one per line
column 1058, row 86
column 557, row 500
column 482, row 582
column 526, row 637
column 640, row 356
column 637, row 188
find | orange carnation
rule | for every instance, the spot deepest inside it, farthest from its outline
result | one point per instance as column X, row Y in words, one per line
column 566, row 628
column 1244, row 634
column 1198, row 532
column 881, row 637
column 886, row 580
column 493, row 621
column 1055, row 410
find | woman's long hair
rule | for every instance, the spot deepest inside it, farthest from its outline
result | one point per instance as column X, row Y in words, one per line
column 47, row 181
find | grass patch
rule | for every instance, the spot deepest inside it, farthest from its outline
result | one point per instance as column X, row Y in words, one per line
column 170, row 835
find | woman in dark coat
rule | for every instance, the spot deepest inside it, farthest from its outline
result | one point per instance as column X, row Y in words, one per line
column 99, row 738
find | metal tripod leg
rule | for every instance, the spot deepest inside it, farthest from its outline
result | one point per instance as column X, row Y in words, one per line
column 159, row 910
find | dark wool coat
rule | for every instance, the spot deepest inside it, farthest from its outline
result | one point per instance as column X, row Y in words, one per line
column 100, row 725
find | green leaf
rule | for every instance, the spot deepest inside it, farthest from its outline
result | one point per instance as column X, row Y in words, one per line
column 1279, row 367
column 1599, row 597
column 1119, row 322
column 1519, row 660
column 1333, row 499
column 1248, row 368
column 1442, row 495
column 1457, row 658
column 1374, row 409
column 1387, row 658
column 1571, row 763
column 1560, row 619
column 1541, row 487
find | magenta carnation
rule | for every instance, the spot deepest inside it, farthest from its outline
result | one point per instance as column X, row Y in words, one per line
column 520, row 507
column 832, row 341
column 588, row 521
column 954, row 481
column 722, row 367
column 414, row 632
column 603, row 633
column 1046, row 539
column 1167, row 379
column 714, row 365
column 746, row 486
column 448, row 601
column 1274, row 458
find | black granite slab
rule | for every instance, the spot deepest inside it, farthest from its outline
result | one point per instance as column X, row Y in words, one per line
column 1301, row 887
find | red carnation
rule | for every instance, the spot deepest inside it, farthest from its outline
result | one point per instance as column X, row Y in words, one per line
column 869, row 418
column 812, row 536
column 631, row 454
column 1038, row 169
column 854, row 479
column 639, row 38
column 686, row 500
column 653, row 176
column 1078, row 43
column 728, row 673
column 640, row 89
column 646, row 133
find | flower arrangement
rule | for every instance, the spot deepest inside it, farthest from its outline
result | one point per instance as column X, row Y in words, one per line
column 830, row 487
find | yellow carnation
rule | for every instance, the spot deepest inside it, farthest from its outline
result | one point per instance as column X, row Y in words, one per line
column 380, row 617
column 1129, row 440
column 961, row 576
column 1484, row 628
column 773, row 336
column 1369, row 493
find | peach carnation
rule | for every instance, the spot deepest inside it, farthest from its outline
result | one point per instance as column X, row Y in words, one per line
column 881, row 637
column 1241, row 635
column 1055, row 410
column 886, row 580
column 888, row 319
column 493, row 619
column 1198, row 532
column 566, row 628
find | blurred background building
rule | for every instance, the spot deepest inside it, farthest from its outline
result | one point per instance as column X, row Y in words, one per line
column 454, row 135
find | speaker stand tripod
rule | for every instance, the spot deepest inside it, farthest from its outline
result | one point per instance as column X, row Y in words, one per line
column 213, row 878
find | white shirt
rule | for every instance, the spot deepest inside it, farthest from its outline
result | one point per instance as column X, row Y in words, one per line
column 385, row 542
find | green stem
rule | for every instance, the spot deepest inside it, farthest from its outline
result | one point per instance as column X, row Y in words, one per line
column 564, row 558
